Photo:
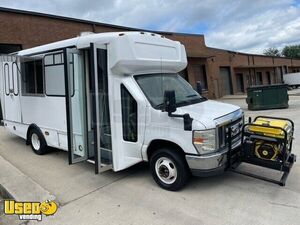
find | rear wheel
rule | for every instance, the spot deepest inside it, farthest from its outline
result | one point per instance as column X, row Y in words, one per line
column 169, row 169
column 37, row 142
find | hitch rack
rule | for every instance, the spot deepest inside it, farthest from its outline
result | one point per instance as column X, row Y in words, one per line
column 241, row 155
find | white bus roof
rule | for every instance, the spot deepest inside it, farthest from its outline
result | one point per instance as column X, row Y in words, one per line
column 130, row 52
column 84, row 40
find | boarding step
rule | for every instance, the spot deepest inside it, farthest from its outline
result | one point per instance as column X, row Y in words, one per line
column 104, row 166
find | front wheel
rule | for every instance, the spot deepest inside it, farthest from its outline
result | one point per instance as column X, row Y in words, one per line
column 169, row 169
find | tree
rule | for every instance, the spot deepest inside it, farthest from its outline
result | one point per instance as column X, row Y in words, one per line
column 291, row 51
column 272, row 52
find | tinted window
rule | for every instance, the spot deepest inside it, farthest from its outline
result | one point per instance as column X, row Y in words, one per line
column 32, row 77
column 129, row 115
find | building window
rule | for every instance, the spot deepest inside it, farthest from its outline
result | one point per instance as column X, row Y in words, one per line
column 32, row 77
column 200, row 75
column 129, row 115
column 259, row 79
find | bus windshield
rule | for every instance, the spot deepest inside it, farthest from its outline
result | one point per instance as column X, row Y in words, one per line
column 154, row 86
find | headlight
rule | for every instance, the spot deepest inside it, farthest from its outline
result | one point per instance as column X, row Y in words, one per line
column 205, row 141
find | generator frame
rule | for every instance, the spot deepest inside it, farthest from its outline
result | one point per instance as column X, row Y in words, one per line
column 245, row 154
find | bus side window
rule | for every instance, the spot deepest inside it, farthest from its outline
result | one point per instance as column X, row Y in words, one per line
column 6, row 78
column 32, row 77
column 129, row 115
column 15, row 76
column 54, row 75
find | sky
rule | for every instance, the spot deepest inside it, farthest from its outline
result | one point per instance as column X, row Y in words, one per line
column 238, row 25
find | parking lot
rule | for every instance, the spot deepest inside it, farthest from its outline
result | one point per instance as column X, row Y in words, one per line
column 132, row 197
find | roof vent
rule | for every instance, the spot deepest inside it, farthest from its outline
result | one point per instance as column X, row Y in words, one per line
column 85, row 33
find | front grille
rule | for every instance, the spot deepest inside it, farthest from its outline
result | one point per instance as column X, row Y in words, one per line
column 236, row 133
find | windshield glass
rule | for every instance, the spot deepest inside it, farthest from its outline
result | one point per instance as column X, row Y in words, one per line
column 154, row 86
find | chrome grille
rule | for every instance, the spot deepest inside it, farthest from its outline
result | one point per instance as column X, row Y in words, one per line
column 236, row 133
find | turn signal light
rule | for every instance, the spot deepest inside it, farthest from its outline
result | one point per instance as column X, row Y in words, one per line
column 198, row 140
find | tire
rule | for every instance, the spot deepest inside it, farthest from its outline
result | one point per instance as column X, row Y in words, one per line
column 166, row 162
column 37, row 142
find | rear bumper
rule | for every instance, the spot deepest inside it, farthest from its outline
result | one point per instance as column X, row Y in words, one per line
column 208, row 165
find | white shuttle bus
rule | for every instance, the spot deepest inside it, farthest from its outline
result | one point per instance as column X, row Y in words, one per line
column 116, row 99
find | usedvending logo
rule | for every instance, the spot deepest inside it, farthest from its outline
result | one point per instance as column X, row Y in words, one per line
column 30, row 210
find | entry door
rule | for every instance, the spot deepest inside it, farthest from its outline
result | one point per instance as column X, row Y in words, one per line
column 75, row 81
column 226, row 80
column 11, row 79
column 101, row 121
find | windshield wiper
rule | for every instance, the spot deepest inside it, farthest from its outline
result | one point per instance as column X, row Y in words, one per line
column 159, row 105
column 189, row 96
column 195, row 95
column 185, row 102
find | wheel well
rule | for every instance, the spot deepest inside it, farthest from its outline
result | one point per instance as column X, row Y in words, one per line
column 157, row 144
column 32, row 126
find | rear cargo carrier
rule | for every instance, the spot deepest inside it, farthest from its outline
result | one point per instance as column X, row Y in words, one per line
column 266, row 142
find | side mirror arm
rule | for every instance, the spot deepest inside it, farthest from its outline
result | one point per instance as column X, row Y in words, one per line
column 170, row 107
column 187, row 120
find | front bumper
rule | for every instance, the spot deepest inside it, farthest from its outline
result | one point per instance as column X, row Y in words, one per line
column 207, row 165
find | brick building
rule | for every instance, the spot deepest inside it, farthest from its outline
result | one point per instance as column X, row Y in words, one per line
column 221, row 72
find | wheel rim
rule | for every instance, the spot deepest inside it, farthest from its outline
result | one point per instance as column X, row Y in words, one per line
column 35, row 141
column 166, row 170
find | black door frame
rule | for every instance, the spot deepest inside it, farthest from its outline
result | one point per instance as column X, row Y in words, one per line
column 68, row 97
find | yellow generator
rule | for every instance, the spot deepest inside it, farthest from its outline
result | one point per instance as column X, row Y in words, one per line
column 269, row 148
column 266, row 142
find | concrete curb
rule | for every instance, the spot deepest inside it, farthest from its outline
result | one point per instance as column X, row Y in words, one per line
column 5, row 194
column 16, row 185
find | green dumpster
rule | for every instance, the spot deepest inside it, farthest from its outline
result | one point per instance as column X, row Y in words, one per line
column 267, row 97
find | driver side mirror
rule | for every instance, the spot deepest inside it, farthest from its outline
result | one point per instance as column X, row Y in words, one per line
column 169, row 101
column 170, row 107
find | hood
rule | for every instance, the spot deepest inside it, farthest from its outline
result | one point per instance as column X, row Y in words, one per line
column 208, row 112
